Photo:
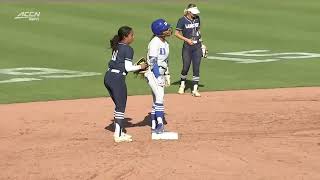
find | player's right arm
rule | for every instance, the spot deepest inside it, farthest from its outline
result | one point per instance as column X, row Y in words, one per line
column 153, row 50
column 178, row 33
column 128, row 62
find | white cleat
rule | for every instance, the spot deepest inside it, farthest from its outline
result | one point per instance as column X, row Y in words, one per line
column 127, row 135
column 196, row 93
column 123, row 138
column 181, row 89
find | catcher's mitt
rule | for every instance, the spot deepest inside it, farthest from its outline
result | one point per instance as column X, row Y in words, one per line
column 141, row 71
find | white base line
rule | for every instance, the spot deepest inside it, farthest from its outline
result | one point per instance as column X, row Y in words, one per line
column 241, row 60
column 20, row 80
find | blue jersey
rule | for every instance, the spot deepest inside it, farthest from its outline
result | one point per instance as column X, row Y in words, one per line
column 124, row 53
column 190, row 28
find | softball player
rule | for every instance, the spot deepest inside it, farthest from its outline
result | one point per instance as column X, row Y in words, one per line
column 114, row 80
column 158, row 73
column 188, row 30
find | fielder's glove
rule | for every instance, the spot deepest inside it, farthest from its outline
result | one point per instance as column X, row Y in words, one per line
column 204, row 51
column 141, row 71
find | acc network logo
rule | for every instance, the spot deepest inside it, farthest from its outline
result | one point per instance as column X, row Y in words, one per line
column 31, row 16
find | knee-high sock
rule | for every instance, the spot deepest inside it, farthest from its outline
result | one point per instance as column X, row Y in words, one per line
column 153, row 117
column 195, row 80
column 183, row 78
column 118, row 118
column 159, row 112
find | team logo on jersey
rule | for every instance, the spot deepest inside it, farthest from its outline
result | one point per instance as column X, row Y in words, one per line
column 188, row 26
column 31, row 16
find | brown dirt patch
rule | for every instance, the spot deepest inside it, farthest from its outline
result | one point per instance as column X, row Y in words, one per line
column 256, row 134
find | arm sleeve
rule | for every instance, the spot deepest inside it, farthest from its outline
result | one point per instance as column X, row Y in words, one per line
column 153, row 58
column 180, row 25
column 130, row 67
column 128, row 61
column 154, row 66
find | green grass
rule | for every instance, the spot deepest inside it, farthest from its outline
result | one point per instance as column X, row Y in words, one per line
column 74, row 35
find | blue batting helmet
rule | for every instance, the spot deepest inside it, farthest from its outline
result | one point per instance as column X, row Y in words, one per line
column 159, row 26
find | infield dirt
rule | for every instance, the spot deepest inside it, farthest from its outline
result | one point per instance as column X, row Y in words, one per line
column 248, row 134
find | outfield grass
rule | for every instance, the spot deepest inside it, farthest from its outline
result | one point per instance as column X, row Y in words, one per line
column 73, row 36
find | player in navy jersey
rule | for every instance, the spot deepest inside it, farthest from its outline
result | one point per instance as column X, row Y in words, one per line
column 114, row 80
column 188, row 30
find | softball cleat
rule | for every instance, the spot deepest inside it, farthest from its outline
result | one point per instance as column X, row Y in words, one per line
column 127, row 135
column 181, row 89
column 159, row 129
column 196, row 93
column 123, row 138
column 153, row 130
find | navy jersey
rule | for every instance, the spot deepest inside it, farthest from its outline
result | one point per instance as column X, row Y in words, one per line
column 124, row 53
column 190, row 28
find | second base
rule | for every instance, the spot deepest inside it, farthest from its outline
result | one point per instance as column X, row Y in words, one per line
column 165, row 136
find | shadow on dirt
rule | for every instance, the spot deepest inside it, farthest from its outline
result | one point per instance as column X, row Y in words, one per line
column 189, row 84
column 128, row 124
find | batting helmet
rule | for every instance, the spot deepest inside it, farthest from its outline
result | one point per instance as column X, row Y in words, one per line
column 159, row 26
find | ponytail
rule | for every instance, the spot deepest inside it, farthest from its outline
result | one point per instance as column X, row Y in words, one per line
column 123, row 32
column 114, row 42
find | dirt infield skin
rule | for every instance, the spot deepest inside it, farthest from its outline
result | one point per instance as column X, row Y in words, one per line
column 240, row 135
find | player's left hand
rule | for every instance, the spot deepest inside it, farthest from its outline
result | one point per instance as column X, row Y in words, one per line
column 144, row 67
column 167, row 80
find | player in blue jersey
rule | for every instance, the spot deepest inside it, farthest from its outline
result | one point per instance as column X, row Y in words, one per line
column 188, row 30
column 114, row 80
